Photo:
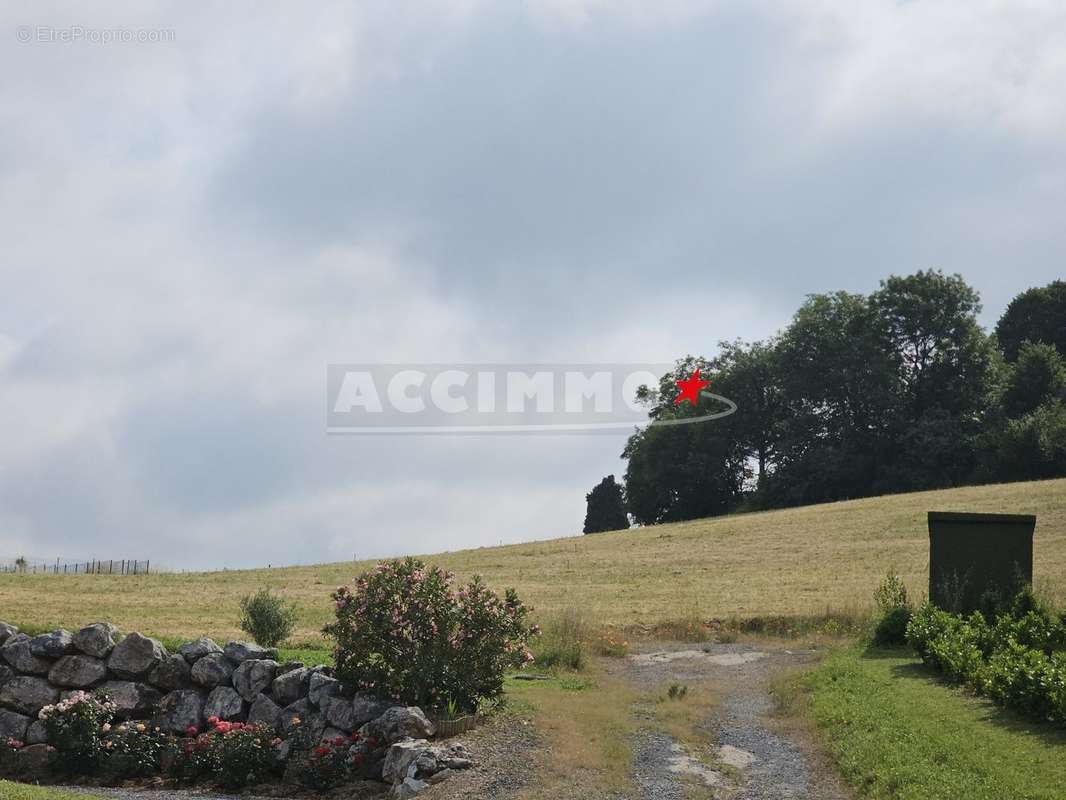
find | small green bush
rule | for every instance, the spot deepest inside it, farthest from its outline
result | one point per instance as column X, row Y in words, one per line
column 891, row 594
column 891, row 599
column 891, row 630
column 132, row 750
column 267, row 618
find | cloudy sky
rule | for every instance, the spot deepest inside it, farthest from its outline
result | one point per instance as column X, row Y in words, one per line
column 193, row 229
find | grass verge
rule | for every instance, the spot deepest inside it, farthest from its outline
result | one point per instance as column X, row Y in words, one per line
column 585, row 721
column 896, row 731
column 22, row 791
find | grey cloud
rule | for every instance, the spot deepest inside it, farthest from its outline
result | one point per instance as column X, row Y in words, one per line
column 194, row 232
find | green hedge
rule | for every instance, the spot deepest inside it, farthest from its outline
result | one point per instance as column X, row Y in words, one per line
column 1017, row 660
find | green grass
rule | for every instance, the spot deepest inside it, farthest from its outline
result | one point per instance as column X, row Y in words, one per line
column 792, row 563
column 897, row 732
column 20, row 791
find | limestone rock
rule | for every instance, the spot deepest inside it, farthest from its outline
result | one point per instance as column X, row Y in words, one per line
column 181, row 709
column 13, row 725
column 253, row 676
column 290, row 686
column 135, row 656
column 338, row 713
column 171, row 673
column 97, row 640
column 132, row 700
column 366, row 708
column 239, row 652
column 212, row 670
column 7, row 631
column 16, row 652
column 27, row 695
column 400, row 722
column 224, row 703
column 266, row 711
column 417, row 758
column 53, row 645
column 77, row 672
column 322, row 687
column 37, row 733
column 194, row 651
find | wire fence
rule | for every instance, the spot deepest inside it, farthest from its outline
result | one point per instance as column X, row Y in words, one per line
column 103, row 566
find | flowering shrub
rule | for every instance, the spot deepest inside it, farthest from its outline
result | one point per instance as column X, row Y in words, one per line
column 232, row 754
column 405, row 633
column 132, row 750
column 75, row 729
column 324, row 764
column 8, row 748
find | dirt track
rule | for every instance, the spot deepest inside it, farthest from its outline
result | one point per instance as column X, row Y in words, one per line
column 758, row 757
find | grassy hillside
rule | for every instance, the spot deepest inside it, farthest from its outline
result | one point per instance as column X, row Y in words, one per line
column 797, row 561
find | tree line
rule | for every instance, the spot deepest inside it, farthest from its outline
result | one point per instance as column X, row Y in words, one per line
column 895, row 391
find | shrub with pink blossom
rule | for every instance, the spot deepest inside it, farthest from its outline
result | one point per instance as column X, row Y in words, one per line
column 406, row 633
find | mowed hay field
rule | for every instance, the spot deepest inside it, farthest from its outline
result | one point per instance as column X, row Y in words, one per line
column 794, row 562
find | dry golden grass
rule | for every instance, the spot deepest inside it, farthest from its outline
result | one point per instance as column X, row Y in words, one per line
column 799, row 561
column 586, row 727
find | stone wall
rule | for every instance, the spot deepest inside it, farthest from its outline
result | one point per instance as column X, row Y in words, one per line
column 237, row 682
column 240, row 682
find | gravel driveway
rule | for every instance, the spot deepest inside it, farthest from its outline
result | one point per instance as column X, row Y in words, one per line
column 761, row 758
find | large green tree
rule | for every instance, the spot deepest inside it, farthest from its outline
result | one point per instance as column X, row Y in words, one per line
column 606, row 509
column 839, row 376
column 1039, row 375
column 944, row 368
column 687, row 470
column 750, row 376
column 942, row 355
column 1036, row 315
column 896, row 391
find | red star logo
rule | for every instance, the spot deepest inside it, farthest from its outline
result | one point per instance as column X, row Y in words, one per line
column 690, row 389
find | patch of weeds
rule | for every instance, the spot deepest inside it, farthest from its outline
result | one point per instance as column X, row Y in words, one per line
column 846, row 623
column 576, row 684
column 677, row 691
column 561, row 644
column 686, row 629
column 611, row 643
